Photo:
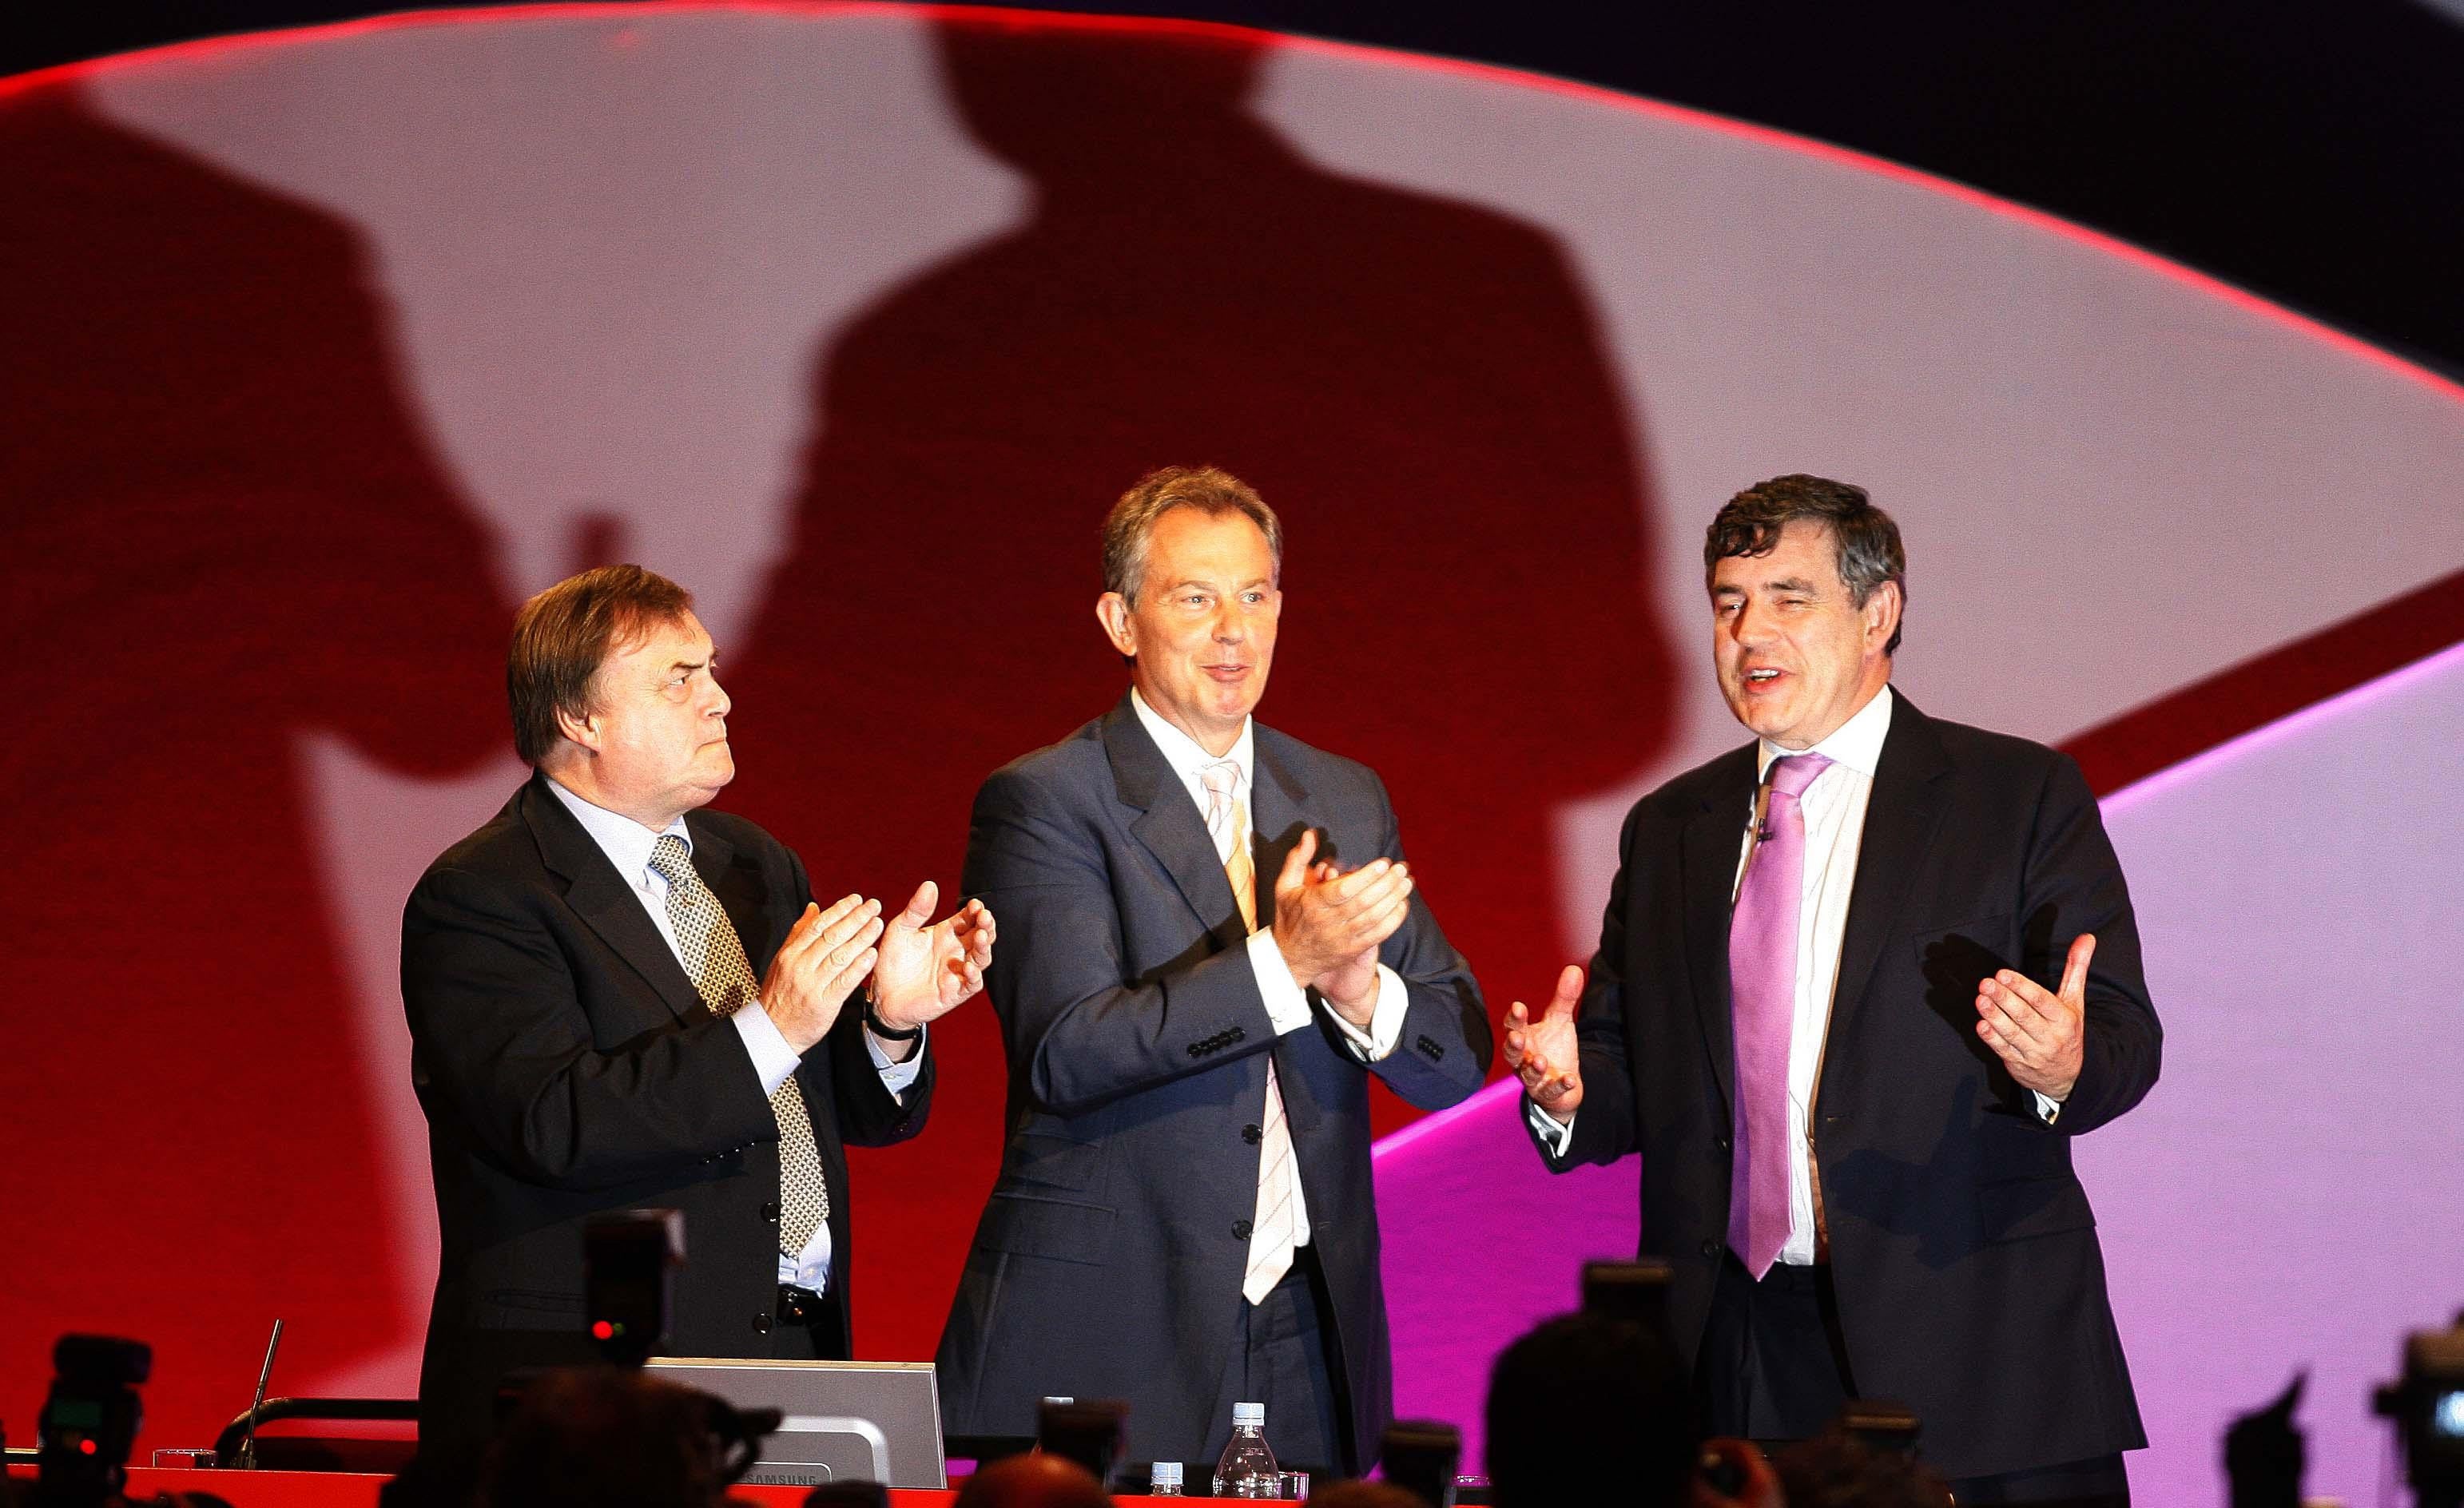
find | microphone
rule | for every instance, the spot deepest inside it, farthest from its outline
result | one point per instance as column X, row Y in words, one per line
column 245, row 1459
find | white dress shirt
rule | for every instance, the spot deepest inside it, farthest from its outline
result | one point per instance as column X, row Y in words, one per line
column 627, row 845
column 1288, row 1004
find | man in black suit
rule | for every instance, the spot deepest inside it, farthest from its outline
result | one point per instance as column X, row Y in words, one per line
column 588, row 1034
column 1858, row 985
column 1212, row 945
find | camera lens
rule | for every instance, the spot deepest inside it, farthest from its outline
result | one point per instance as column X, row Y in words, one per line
column 2447, row 1414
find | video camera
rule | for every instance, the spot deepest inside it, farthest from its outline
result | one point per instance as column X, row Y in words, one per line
column 2428, row 1407
column 90, row 1419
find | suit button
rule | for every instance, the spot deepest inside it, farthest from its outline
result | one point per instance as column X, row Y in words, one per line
column 770, row 1210
column 1710, row 1248
column 1720, row 1142
column 1252, row 1135
column 762, row 1324
column 1241, row 1229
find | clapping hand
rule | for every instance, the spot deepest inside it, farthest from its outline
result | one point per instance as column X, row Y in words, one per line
column 1329, row 925
column 825, row 956
column 925, row 972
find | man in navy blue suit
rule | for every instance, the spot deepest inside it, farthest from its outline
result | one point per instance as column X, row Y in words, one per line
column 1210, row 942
column 1858, row 985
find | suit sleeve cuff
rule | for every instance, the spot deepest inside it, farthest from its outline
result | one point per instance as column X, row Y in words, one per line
column 896, row 1076
column 1385, row 1018
column 1287, row 1004
column 1554, row 1134
column 773, row 1059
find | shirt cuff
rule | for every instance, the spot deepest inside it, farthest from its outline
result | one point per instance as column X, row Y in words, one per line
column 895, row 1077
column 1385, row 1018
column 1554, row 1134
column 1287, row 1004
column 773, row 1059
column 2048, row 1111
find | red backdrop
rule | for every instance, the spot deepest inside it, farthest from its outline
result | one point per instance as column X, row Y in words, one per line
column 251, row 516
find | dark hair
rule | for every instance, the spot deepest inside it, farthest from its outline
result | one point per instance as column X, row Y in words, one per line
column 1585, row 1406
column 563, row 636
column 600, row 1438
column 1131, row 524
column 1836, row 1470
column 1035, row 1480
column 1365, row 1494
column 1749, row 524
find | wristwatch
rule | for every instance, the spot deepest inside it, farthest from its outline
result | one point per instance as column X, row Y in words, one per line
column 882, row 1029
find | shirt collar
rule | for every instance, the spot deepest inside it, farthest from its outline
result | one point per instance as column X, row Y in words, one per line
column 1184, row 754
column 1857, row 743
column 625, row 843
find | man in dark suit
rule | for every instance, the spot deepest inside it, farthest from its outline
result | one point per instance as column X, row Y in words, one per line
column 588, row 1034
column 1212, row 945
column 1858, row 985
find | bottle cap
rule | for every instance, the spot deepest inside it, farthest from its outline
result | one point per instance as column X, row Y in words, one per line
column 1166, row 1473
column 1248, row 1413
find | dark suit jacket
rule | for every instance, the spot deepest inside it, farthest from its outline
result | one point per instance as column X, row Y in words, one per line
column 1964, row 1252
column 569, row 1069
column 1109, row 1261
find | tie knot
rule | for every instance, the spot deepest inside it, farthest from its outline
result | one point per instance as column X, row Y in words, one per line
column 670, row 858
column 1222, row 778
column 1790, row 776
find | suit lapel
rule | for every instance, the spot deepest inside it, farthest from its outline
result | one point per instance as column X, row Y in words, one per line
column 1901, row 819
column 738, row 888
column 600, row 896
column 1280, row 810
column 1169, row 823
column 1707, row 875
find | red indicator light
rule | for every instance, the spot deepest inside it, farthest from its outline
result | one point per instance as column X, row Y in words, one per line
column 602, row 1329
column 86, row 1446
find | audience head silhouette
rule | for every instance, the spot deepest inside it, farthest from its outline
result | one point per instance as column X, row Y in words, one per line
column 1033, row 1481
column 1365, row 1494
column 1837, row 1470
column 1588, row 1404
column 603, row 1437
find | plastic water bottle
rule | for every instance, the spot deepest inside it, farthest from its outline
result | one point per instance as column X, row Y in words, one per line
column 1165, row 1482
column 1247, row 1467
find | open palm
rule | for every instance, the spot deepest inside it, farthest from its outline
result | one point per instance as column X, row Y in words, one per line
column 926, row 971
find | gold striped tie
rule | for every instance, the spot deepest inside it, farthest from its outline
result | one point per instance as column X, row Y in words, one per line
column 1271, row 1232
column 713, row 956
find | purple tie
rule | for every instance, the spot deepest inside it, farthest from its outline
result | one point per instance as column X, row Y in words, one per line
column 1762, row 1000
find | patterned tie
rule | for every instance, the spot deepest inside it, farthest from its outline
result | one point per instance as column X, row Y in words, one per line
column 1271, row 1232
column 1762, row 997
column 715, row 956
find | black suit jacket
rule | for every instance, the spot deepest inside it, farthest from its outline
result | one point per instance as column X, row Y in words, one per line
column 1963, row 1248
column 1109, row 1261
column 569, row 1069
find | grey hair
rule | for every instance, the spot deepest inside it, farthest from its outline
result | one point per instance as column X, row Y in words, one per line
column 1130, row 527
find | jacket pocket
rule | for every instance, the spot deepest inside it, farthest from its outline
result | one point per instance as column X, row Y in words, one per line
column 1978, row 939
column 1050, row 1162
column 1064, row 1229
column 2015, row 1208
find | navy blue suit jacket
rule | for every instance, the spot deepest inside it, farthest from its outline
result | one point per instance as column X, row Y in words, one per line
column 1108, row 1259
